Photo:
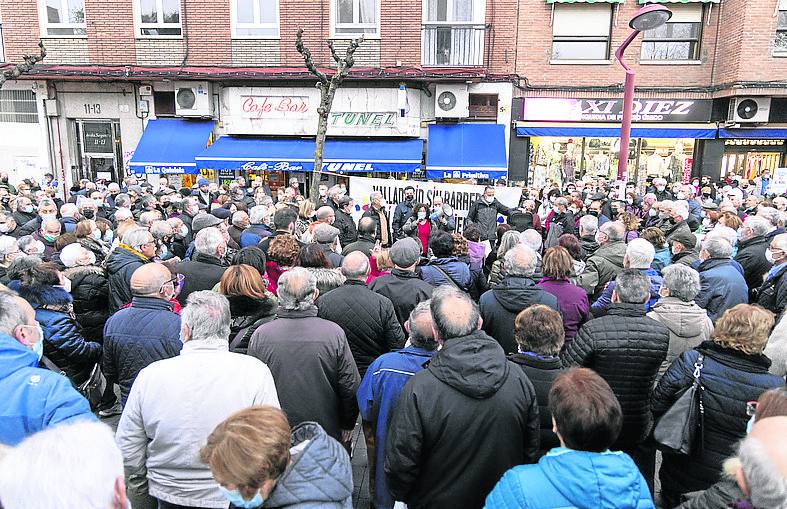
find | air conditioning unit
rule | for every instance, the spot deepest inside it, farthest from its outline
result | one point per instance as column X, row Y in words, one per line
column 193, row 99
column 451, row 101
column 749, row 110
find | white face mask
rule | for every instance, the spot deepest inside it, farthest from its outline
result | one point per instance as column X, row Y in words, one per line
column 653, row 212
column 681, row 196
column 660, row 188
column 770, row 258
column 66, row 284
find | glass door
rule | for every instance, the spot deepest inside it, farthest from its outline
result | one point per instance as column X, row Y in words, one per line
column 99, row 150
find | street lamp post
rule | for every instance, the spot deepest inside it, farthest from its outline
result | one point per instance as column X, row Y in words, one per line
column 647, row 18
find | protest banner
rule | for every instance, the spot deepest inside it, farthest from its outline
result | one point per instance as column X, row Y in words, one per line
column 778, row 184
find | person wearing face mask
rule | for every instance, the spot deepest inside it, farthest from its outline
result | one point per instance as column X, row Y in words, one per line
column 403, row 212
column 484, row 214
column 89, row 290
column 258, row 228
column 21, row 346
column 291, row 460
column 90, row 237
column 24, row 210
column 46, row 210
column 772, row 294
column 722, row 283
column 8, row 226
column 48, row 292
column 660, row 190
column 179, row 233
column 47, row 235
column 348, row 232
column 9, row 251
column 137, row 247
column 419, row 227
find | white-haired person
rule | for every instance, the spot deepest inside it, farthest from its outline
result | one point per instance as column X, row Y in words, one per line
column 752, row 248
column 722, row 285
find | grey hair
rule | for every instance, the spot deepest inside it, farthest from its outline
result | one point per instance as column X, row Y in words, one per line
column 148, row 217
column 160, row 229
column 632, row 286
column 767, row 484
column 324, row 213
column 334, row 191
column 375, row 195
column 207, row 315
column 520, row 261
column 51, row 221
column 421, row 338
column 780, row 242
column 758, row 225
column 296, row 289
column 46, row 202
column 11, row 313
column 531, row 239
column 509, row 239
column 238, row 217
column 86, row 201
column 208, row 241
column 25, row 241
column 68, row 210
column 123, row 214
column 8, row 245
column 80, row 460
column 122, row 201
column 257, row 214
column 561, row 202
column 724, row 232
column 5, row 216
column 717, row 247
column 770, row 214
column 135, row 237
column 588, row 224
column 682, row 281
column 22, row 265
column 454, row 314
column 681, row 210
column 640, row 254
column 614, row 230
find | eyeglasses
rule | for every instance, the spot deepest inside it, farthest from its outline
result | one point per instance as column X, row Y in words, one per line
column 177, row 283
column 751, row 408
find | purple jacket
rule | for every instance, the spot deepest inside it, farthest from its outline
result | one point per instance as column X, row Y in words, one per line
column 573, row 303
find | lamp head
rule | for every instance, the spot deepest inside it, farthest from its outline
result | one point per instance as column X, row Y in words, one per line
column 650, row 17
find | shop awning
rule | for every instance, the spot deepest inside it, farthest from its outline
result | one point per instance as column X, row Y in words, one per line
column 168, row 146
column 702, row 132
column 466, row 151
column 295, row 154
column 755, row 133
column 584, row 1
column 679, row 1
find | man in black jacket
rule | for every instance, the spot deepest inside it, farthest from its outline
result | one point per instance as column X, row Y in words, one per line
column 366, row 238
column 205, row 268
column 344, row 221
column 751, row 252
column 367, row 318
column 626, row 348
column 464, row 420
column 484, row 213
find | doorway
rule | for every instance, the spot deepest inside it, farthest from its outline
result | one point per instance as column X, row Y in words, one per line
column 99, row 150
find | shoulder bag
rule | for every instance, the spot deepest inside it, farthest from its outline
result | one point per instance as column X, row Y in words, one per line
column 681, row 429
column 92, row 388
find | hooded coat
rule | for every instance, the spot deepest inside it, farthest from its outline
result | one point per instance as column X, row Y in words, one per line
column 319, row 474
column 500, row 305
column 248, row 314
column 121, row 264
column 688, row 326
column 459, row 424
column 602, row 267
column 566, row 478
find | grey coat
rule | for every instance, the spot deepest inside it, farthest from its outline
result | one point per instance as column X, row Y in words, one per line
column 319, row 475
column 688, row 324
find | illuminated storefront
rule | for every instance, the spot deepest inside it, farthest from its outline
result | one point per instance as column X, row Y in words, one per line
column 747, row 152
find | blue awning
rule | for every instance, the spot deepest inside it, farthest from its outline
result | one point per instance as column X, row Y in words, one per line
column 614, row 132
column 168, row 145
column 466, row 151
column 341, row 156
column 754, row 134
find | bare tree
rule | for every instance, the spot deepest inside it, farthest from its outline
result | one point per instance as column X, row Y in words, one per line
column 20, row 69
column 327, row 85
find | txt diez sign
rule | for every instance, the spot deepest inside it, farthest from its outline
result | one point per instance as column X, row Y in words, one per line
column 554, row 109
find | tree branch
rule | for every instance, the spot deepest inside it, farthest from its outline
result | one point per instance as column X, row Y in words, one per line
column 307, row 57
column 335, row 55
column 20, row 69
column 349, row 60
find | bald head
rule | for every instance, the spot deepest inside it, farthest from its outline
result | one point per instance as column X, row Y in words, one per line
column 148, row 280
column 454, row 314
column 763, row 456
column 613, row 231
column 420, row 327
column 356, row 266
column 325, row 214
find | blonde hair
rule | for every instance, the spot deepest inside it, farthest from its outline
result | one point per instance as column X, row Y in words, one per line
column 242, row 280
column 306, row 208
column 745, row 328
column 249, row 448
column 383, row 259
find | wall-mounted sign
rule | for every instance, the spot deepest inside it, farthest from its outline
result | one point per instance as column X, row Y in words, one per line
column 556, row 109
column 97, row 138
column 385, row 119
column 275, row 106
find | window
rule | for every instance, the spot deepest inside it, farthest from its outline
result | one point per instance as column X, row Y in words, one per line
column 454, row 11
column 483, row 106
column 780, row 43
column 355, row 17
column 63, row 18
column 159, row 18
column 164, row 103
column 256, row 19
column 18, row 106
column 581, row 32
column 453, row 32
column 678, row 39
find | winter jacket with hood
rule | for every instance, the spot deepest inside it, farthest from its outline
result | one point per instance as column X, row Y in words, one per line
column 602, row 267
column 661, row 259
column 64, row 344
column 500, row 305
column 626, row 348
column 405, row 290
column 367, row 318
column 688, row 326
column 121, row 264
column 90, row 291
column 722, row 286
column 319, row 475
column 33, row 398
column 457, row 271
column 751, row 256
column 600, row 307
column 247, row 315
column 566, row 478
column 459, row 425
column 589, row 246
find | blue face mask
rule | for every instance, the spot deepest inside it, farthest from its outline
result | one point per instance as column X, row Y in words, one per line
column 234, row 497
column 749, row 425
column 38, row 348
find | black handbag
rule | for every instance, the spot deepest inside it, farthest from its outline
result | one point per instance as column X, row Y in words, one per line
column 92, row 389
column 681, row 429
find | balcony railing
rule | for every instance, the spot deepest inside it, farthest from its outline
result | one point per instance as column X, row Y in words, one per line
column 452, row 45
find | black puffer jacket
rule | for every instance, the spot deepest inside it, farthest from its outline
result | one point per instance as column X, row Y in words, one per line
column 500, row 305
column 367, row 318
column 248, row 314
column 459, row 425
column 404, row 289
column 121, row 264
column 542, row 372
column 484, row 215
column 731, row 378
column 626, row 348
column 90, row 290
column 751, row 256
column 202, row 272
column 719, row 496
column 348, row 233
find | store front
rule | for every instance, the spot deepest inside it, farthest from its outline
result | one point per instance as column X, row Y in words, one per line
column 168, row 147
column 749, row 152
column 570, row 139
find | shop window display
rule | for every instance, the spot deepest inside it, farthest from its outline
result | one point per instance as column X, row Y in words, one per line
column 751, row 157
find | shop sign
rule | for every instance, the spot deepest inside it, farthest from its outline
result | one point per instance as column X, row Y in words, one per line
column 256, row 166
column 554, row 109
column 778, row 184
column 150, row 169
column 97, row 138
column 384, row 119
column 273, row 106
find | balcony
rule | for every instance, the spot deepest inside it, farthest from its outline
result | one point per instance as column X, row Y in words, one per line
column 455, row 45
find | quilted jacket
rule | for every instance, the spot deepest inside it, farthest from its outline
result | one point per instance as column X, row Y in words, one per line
column 367, row 318
column 64, row 344
column 721, row 286
column 457, row 271
column 731, row 378
column 121, row 264
column 137, row 336
column 319, row 475
column 626, row 348
column 751, row 256
column 405, row 290
column 602, row 267
column 248, row 314
column 90, row 290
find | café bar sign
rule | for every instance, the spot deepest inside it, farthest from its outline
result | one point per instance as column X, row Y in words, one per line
column 559, row 109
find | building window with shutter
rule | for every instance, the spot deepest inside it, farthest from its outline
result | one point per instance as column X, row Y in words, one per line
column 581, row 32
column 353, row 18
column 62, row 18
column 678, row 39
column 780, row 42
column 255, row 19
column 158, row 18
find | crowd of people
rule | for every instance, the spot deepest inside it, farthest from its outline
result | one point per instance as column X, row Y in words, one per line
column 508, row 357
